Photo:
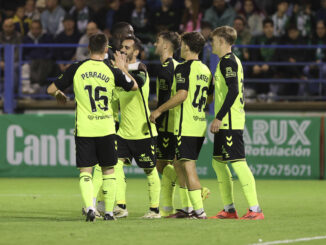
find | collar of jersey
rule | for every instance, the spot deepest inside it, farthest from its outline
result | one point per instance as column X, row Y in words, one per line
column 227, row 54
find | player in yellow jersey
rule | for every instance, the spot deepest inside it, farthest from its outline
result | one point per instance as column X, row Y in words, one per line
column 136, row 134
column 228, row 127
column 93, row 81
column 193, row 85
column 166, row 44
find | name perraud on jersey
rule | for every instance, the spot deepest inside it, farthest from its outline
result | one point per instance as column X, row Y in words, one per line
column 95, row 74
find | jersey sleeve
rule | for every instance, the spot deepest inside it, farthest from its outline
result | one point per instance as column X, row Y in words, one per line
column 211, row 86
column 120, row 79
column 181, row 74
column 139, row 76
column 229, row 69
column 66, row 79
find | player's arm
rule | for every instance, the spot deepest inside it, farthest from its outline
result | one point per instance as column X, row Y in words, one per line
column 61, row 83
column 122, row 77
column 182, row 78
column 140, row 75
column 210, row 92
column 229, row 70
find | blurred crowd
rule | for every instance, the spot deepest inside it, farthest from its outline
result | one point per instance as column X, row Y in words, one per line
column 259, row 22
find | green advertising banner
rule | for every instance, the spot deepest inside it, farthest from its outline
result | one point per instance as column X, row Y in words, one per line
column 283, row 147
column 277, row 147
column 37, row 145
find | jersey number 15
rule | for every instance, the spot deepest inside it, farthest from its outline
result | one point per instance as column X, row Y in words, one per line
column 98, row 97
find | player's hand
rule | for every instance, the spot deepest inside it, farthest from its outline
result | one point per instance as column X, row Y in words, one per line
column 154, row 115
column 120, row 60
column 61, row 97
column 215, row 126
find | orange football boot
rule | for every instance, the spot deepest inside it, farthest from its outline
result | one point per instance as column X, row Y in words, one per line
column 251, row 215
column 225, row 215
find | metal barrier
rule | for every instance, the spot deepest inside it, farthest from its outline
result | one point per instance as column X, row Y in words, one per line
column 10, row 95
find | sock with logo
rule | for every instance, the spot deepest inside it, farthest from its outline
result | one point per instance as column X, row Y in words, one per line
column 196, row 200
column 86, row 189
column 97, row 182
column 185, row 200
column 154, row 187
column 168, row 187
column 247, row 181
column 121, row 183
column 224, row 180
column 109, row 191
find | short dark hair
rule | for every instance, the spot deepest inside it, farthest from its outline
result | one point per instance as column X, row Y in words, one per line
column 227, row 32
column 137, row 43
column 119, row 27
column 268, row 21
column 172, row 37
column 98, row 43
column 205, row 24
column 239, row 17
column 194, row 40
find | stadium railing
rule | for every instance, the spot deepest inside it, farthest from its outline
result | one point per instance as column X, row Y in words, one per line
column 11, row 96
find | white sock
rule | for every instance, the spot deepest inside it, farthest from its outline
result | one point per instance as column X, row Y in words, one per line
column 255, row 209
column 188, row 209
column 228, row 207
column 199, row 211
column 94, row 201
column 90, row 208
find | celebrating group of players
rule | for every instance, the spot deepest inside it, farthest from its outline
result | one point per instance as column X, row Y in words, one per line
column 169, row 139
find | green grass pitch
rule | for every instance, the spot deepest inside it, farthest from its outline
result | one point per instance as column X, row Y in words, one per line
column 48, row 211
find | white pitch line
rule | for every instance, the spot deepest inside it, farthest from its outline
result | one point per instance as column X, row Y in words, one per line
column 291, row 241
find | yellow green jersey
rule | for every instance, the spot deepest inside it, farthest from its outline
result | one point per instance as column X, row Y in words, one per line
column 190, row 117
column 135, row 124
column 229, row 100
column 164, row 83
column 93, row 82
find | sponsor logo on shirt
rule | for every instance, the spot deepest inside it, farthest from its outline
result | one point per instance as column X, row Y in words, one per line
column 230, row 73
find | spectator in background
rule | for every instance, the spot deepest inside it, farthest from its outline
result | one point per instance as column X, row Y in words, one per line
column 105, row 18
column 41, row 65
column 82, row 15
column 82, row 53
column 139, row 20
column 321, row 13
column 220, row 14
column 191, row 16
column 243, row 37
column 69, row 35
column 30, row 10
column 292, row 37
column 165, row 18
column 21, row 22
column 9, row 35
column 206, row 30
column 317, row 55
column 280, row 18
column 40, row 6
column 254, row 17
column 52, row 17
column 263, row 55
column 304, row 18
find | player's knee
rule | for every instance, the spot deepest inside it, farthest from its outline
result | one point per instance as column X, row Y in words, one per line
column 160, row 165
column 148, row 171
column 108, row 170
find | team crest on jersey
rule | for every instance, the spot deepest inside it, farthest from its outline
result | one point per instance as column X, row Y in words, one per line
column 229, row 72
column 179, row 78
